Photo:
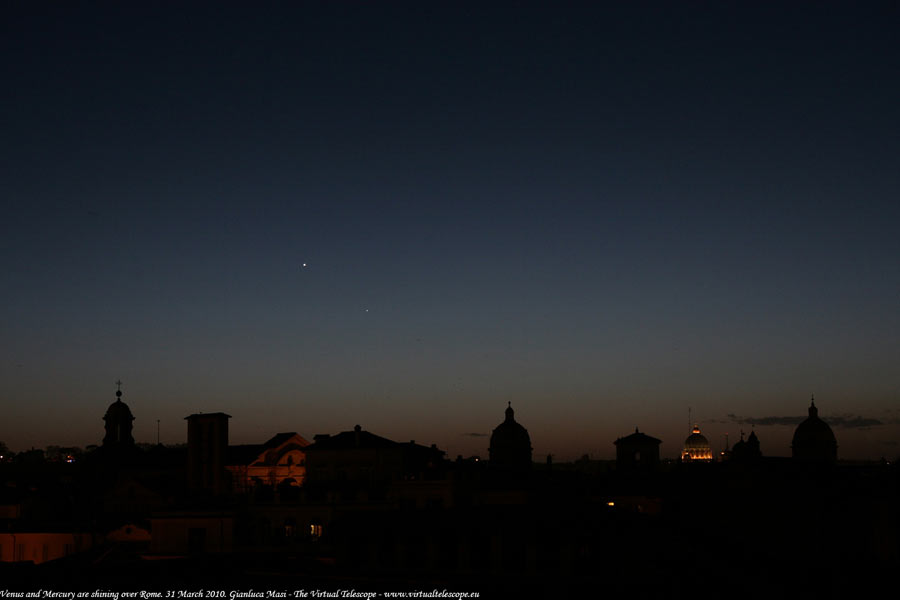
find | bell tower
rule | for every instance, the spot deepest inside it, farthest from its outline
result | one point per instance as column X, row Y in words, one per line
column 118, row 420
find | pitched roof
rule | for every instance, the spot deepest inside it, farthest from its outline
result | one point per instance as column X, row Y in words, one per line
column 245, row 454
column 638, row 437
column 278, row 439
column 358, row 438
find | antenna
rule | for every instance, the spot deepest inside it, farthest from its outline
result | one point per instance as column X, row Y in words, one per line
column 157, row 432
column 690, row 422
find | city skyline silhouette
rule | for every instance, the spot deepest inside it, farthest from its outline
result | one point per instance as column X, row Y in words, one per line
column 673, row 450
column 354, row 510
column 406, row 216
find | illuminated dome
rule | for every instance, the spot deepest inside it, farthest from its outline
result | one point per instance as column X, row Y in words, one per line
column 510, row 444
column 118, row 423
column 813, row 439
column 696, row 447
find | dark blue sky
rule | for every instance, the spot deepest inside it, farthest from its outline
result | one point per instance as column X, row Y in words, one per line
column 604, row 215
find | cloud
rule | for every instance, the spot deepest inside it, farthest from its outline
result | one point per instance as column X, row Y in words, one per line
column 845, row 421
column 764, row 421
column 853, row 421
column 475, row 434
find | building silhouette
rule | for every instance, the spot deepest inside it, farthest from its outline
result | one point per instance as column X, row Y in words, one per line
column 359, row 457
column 207, row 452
column 118, row 423
column 746, row 450
column 510, row 447
column 814, row 440
column 637, row 451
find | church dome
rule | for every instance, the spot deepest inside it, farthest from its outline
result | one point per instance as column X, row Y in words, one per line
column 814, row 439
column 696, row 447
column 118, row 410
column 510, row 444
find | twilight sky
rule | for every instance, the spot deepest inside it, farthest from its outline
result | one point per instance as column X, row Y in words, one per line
column 605, row 215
